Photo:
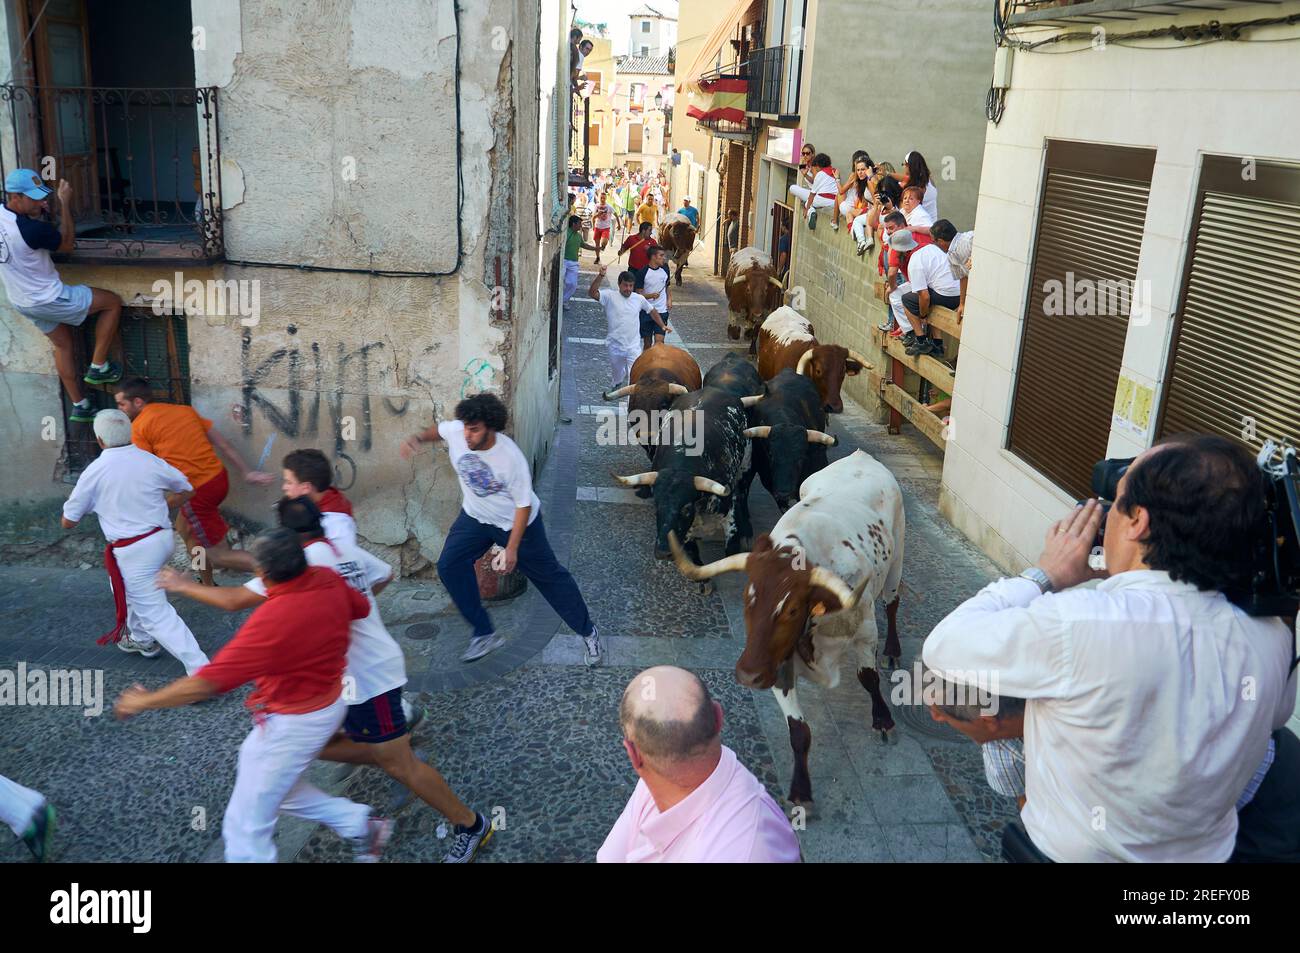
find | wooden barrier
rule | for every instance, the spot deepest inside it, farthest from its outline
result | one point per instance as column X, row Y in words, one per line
column 902, row 405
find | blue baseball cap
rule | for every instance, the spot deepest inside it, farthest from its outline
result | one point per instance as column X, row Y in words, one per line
column 28, row 183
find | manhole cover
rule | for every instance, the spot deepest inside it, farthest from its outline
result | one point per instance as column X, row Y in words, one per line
column 421, row 631
column 917, row 718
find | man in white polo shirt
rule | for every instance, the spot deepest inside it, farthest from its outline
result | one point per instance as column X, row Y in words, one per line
column 130, row 490
column 930, row 284
column 36, row 291
column 1150, row 699
column 498, row 507
column 623, row 310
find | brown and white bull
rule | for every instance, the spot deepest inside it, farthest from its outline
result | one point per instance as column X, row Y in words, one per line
column 813, row 585
column 749, row 281
column 659, row 375
column 677, row 239
column 786, row 339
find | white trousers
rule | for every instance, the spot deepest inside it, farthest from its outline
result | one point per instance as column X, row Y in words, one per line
column 149, row 615
column 621, row 360
column 896, row 305
column 801, row 193
column 570, row 279
column 18, row 805
column 269, row 782
column 847, row 205
column 860, row 227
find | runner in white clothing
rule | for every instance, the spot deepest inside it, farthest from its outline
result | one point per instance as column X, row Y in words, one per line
column 130, row 490
column 623, row 310
column 28, row 815
column 375, row 730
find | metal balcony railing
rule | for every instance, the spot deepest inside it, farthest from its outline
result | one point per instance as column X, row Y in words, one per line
column 774, row 81
column 580, row 141
column 1064, row 13
column 144, row 166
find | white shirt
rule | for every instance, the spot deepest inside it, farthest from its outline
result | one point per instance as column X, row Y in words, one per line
column 656, row 280
column 126, row 488
column 919, row 216
column 928, row 269
column 930, row 201
column 375, row 661
column 623, row 315
column 29, row 275
column 340, row 529
column 493, row 483
column 959, row 254
column 825, row 183
column 1149, row 708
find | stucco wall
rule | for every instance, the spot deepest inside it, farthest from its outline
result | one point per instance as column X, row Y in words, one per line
column 353, row 362
column 1217, row 98
column 891, row 76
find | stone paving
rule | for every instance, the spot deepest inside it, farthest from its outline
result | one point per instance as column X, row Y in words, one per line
column 528, row 733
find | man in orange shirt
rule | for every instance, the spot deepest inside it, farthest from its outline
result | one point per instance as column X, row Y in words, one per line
column 190, row 443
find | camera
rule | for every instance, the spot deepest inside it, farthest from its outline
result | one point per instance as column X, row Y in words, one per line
column 1274, row 588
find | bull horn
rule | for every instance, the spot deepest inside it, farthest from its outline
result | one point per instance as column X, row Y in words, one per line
column 837, row 586
column 818, row 436
column 638, row 479
column 621, row 392
column 751, row 400
column 688, row 569
column 776, row 281
column 866, row 365
column 705, row 485
column 758, row 432
column 678, row 389
column 804, row 358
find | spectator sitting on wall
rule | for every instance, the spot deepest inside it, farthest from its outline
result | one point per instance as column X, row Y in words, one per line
column 887, row 196
column 690, row 212
column 930, row 283
column 894, row 268
column 916, row 172
column 638, row 247
column 957, row 245
column 806, row 171
column 912, row 208
column 854, row 190
column 823, row 192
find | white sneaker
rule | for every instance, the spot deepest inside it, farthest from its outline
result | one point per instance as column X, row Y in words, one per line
column 481, row 646
column 368, row 848
column 594, row 652
column 145, row 649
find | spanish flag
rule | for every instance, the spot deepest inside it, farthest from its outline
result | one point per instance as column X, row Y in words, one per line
column 726, row 100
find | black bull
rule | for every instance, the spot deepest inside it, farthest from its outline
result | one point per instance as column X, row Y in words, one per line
column 788, row 429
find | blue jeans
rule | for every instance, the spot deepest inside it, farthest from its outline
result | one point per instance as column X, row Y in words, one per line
column 468, row 540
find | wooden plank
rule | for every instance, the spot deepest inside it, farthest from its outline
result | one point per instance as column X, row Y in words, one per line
column 946, row 321
column 936, row 372
column 913, row 410
column 895, row 418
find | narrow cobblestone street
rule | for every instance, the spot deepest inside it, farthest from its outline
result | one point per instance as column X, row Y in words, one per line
column 528, row 734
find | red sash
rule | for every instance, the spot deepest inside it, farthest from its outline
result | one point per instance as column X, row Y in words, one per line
column 118, row 586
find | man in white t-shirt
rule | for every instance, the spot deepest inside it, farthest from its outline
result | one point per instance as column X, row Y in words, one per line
column 39, row 294
column 931, row 284
column 652, row 283
column 375, row 730
column 498, row 507
column 623, row 310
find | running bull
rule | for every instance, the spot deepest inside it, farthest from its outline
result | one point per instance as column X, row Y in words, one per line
column 677, row 239
column 658, row 377
column 699, row 472
column 788, row 430
column 786, row 340
column 748, row 283
column 813, row 584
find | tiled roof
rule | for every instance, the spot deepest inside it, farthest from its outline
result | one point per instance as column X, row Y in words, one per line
column 644, row 64
column 646, row 10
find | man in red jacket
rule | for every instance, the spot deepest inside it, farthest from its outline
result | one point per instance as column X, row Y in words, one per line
column 294, row 648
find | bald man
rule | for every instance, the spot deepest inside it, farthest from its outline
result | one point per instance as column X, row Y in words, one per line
column 695, row 802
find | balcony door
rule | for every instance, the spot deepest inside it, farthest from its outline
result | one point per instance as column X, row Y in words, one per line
column 61, row 55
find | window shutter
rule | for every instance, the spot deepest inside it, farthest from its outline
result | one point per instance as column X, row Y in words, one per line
column 1091, row 214
column 1234, row 367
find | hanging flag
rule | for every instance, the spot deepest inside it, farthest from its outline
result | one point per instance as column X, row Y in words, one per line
column 724, row 100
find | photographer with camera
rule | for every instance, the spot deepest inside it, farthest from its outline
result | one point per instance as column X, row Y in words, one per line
column 1150, row 698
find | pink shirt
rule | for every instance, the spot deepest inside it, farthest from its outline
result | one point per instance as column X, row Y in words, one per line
column 730, row 818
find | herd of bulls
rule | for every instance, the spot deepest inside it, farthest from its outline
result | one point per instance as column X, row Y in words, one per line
column 837, row 549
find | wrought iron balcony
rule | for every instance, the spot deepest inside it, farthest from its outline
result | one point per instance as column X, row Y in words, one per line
column 580, row 144
column 144, row 166
column 774, row 82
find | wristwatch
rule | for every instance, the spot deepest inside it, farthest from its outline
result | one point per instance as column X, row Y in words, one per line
column 1039, row 578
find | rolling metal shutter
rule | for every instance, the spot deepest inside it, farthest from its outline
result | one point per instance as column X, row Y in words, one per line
column 1091, row 214
column 1234, row 366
